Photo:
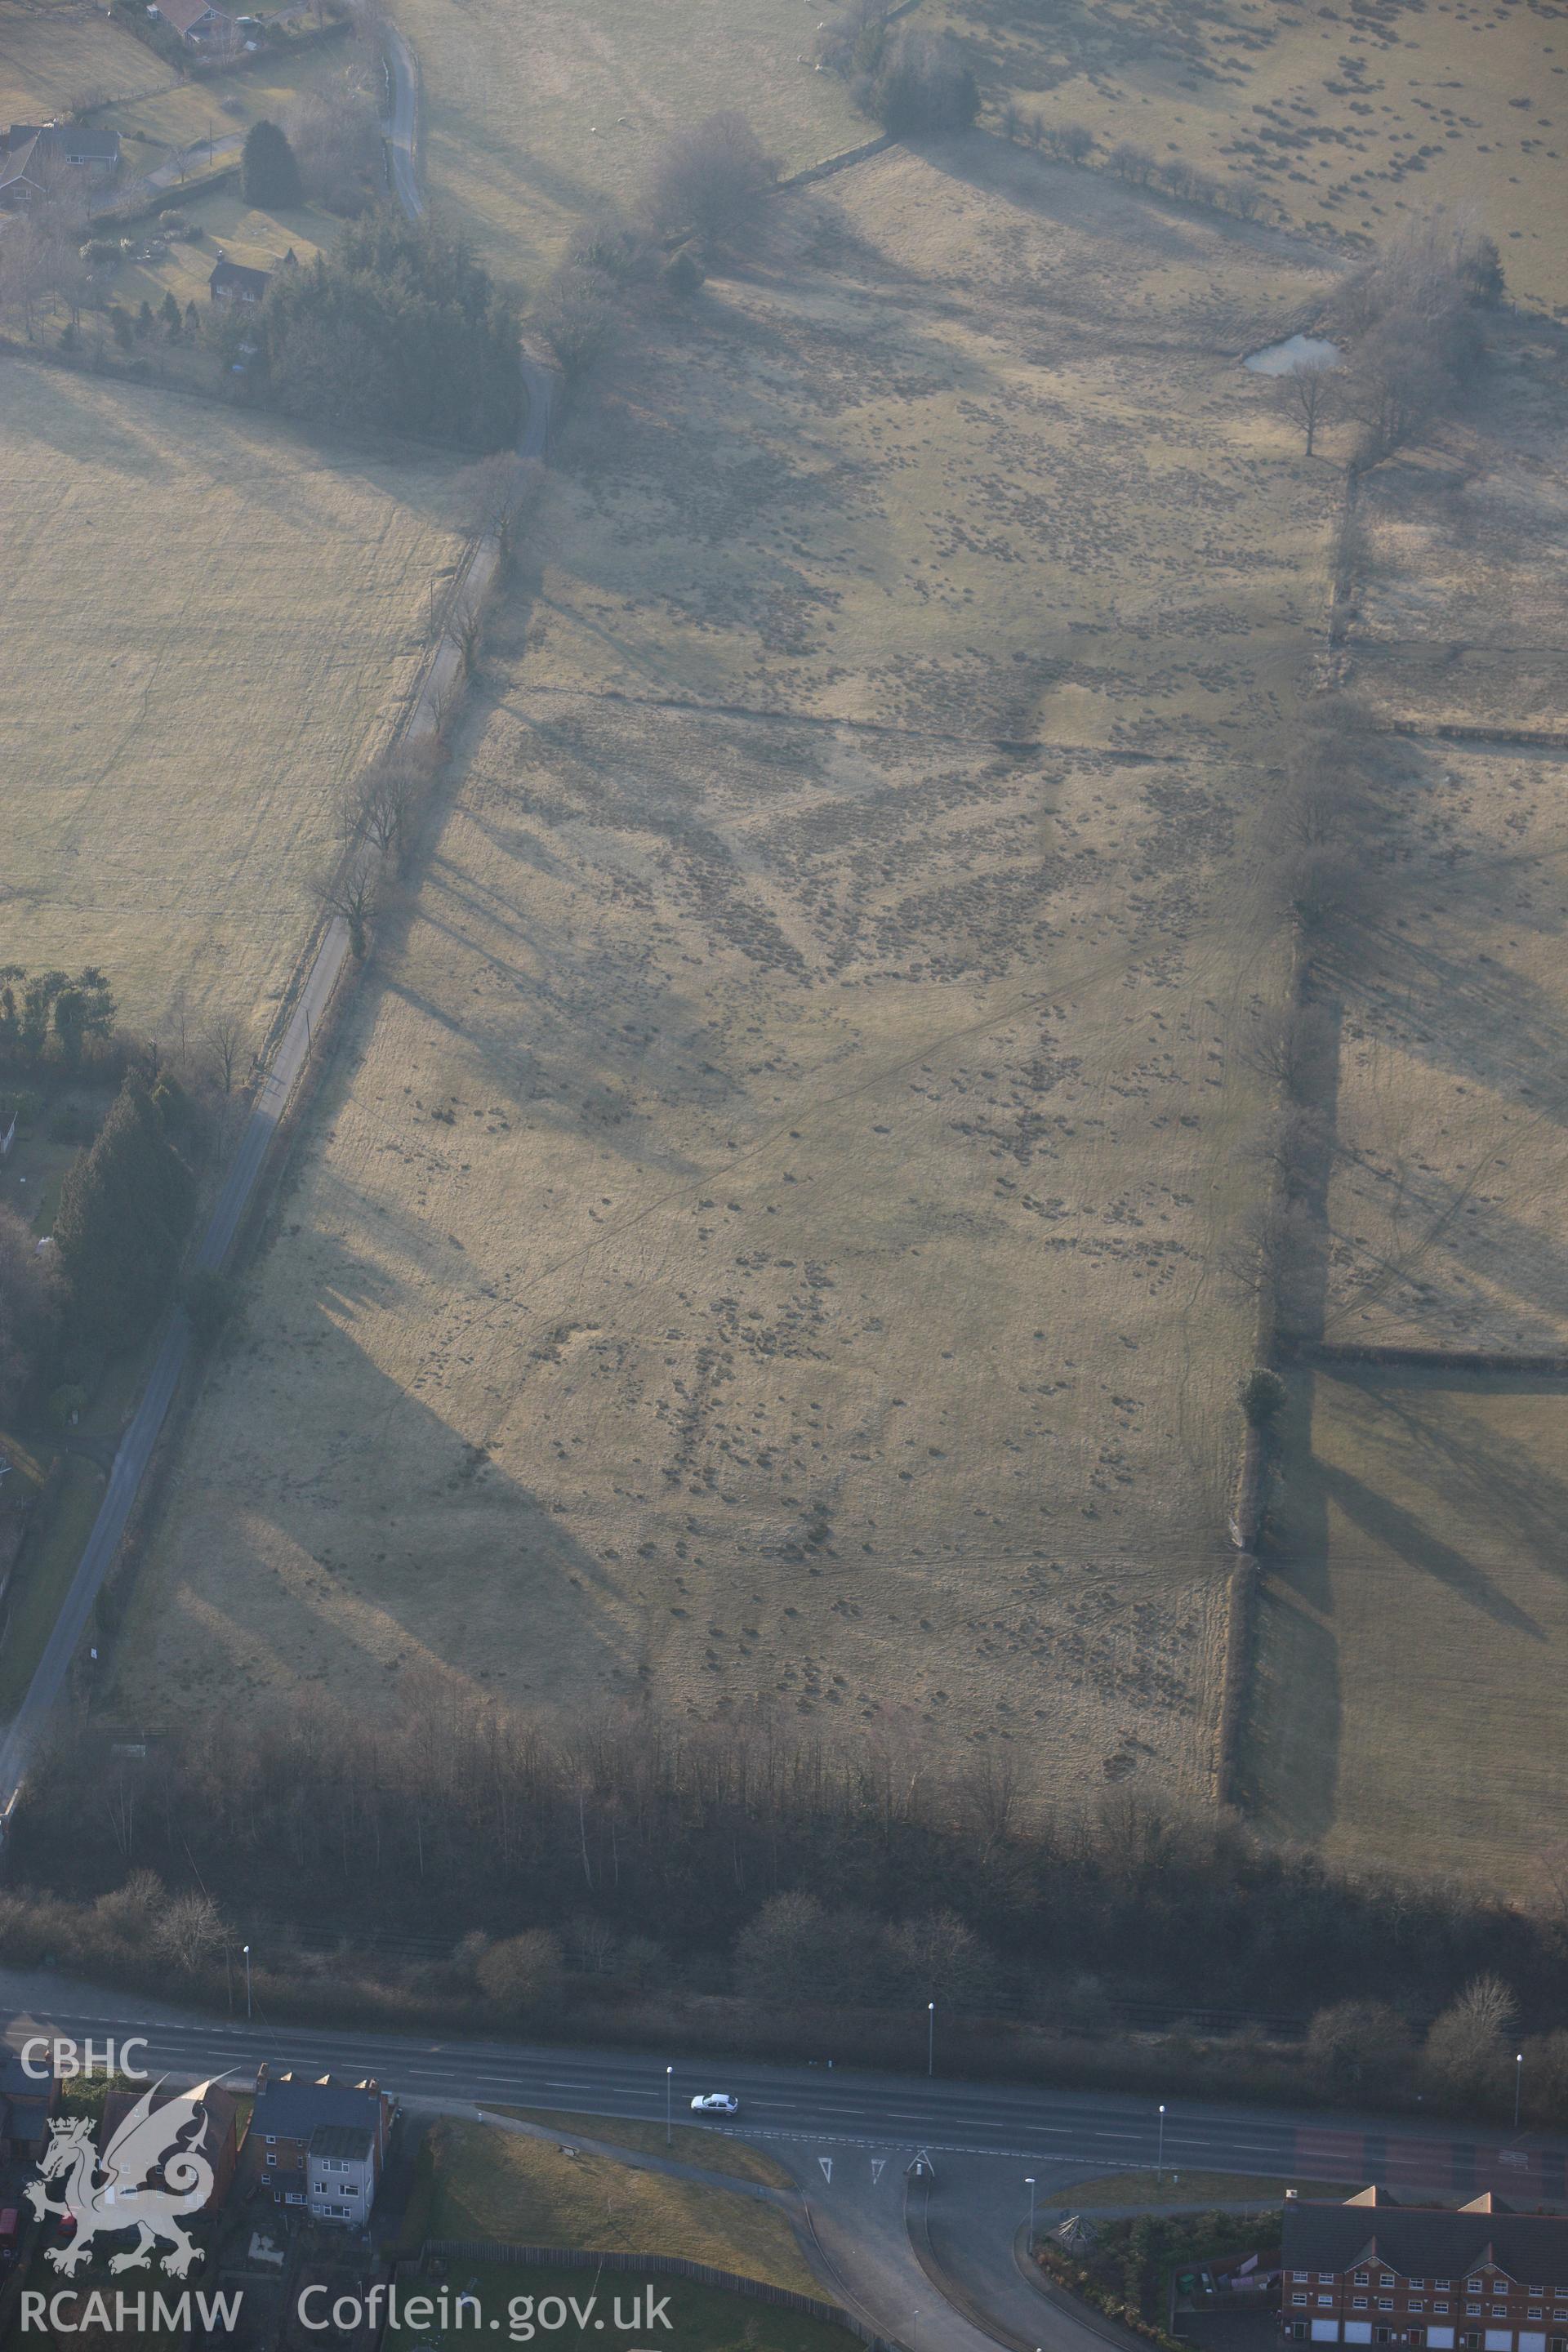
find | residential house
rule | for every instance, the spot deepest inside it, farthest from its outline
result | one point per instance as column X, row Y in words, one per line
column 342, row 2167
column 202, row 25
column 1371, row 2271
column 36, row 157
column 25, row 2106
column 319, row 2143
column 219, row 2143
column 231, row 281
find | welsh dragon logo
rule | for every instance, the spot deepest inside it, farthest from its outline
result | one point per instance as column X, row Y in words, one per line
column 153, row 2171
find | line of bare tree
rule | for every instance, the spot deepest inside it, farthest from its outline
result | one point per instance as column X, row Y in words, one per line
column 741, row 1856
column 375, row 821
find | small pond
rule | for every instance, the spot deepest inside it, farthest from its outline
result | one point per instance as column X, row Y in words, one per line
column 1300, row 351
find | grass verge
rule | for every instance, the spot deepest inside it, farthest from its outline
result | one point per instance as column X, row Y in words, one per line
column 475, row 2181
column 688, row 2144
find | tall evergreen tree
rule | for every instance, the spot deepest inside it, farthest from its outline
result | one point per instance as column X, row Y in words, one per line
column 125, row 1210
column 269, row 174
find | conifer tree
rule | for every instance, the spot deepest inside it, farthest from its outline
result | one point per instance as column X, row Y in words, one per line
column 125, row 1208
column 269, row 174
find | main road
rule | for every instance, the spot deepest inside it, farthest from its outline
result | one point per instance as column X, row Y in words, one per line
column 823, row 2107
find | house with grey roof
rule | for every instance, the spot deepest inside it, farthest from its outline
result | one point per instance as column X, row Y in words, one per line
column 35, row 158
column 317, row 2143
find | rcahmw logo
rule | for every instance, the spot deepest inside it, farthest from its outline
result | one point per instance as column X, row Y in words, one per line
column 153, row 2171
column 65, row 2313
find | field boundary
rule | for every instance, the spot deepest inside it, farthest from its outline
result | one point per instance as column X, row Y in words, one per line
column 1329, row 1352
column 1241, row 1609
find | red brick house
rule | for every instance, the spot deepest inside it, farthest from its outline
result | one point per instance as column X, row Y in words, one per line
column 1371, row 2271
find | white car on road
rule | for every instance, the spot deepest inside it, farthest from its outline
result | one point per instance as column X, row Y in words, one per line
column 715, row 2103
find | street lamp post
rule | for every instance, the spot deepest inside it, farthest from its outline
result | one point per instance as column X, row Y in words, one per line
column 930, row 2037
column 669, row 2106
column 1160, row 2160
column 248, row 1980
column 1518, row 2080
column 1029, row 2185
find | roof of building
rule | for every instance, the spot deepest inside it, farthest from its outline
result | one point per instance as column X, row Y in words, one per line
column 1423, row 2242
column 342, row 2140
column 83, row 141
column 187, row 15
column 240, row 276
column 292, row 2105
column 16, row 157
column 27, row 148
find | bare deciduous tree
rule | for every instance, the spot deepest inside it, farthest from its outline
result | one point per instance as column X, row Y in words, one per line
column 1306, row 392
column 1273, row 1259
column 225, row 1035
column 335, row 134
column 351, row 892
column 579, row 319
column 384, row 802
column 1132, row 163
column 496, row 493
column 711, row 178
column 1287, row 1048
column 190, row 1932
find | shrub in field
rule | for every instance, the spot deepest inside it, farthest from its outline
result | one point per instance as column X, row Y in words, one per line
column 711, row 180
column 921, row 83
column 1262, row 1396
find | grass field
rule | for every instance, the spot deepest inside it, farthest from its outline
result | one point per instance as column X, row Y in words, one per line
column 478, row 2182
column 216, row 617
column 759, row 1242
column 1434, row 1500
column 53, row 54
column 535, row 116
column 178, row 114
column 702, row 2319
column 688, row 2143
column 1350, row 121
